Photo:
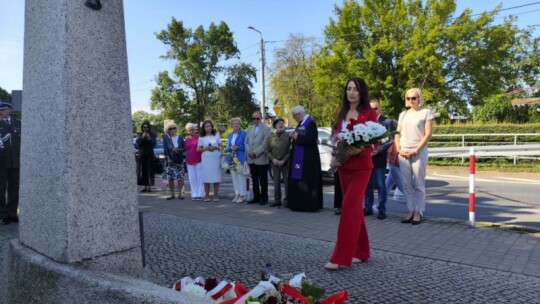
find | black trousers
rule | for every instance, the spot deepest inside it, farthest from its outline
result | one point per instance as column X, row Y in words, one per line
column 259, row 175
column 9, row 180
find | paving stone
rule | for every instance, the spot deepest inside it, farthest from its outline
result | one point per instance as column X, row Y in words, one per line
column 177, row 246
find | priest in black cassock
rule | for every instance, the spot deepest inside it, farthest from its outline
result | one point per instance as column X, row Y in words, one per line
column 305, row 177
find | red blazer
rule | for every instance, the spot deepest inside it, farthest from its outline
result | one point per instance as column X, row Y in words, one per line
column 360, row 161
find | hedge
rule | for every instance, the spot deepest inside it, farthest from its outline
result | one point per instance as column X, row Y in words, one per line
column 457, row 129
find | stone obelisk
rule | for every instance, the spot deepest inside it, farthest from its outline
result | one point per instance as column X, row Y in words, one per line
column 79, row 201
column 79, row 239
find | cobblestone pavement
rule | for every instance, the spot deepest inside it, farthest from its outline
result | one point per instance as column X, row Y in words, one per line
column 177, row 246
column 7, row 232
column 439, row 261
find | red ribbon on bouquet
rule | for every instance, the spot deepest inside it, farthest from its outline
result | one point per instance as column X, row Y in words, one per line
column 292, row 292
column 337, row 298
column 240, row 291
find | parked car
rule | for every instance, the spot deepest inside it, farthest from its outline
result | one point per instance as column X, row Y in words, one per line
column 325, row 150
column 454, row 115
column 159, row 155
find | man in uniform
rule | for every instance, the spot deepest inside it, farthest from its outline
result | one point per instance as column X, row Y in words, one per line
column 278, row 154
column 10, row 151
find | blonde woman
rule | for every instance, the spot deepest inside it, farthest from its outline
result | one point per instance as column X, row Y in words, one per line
column 173, row 147
column 210, row 146
column 237, row 148
column 415, row 128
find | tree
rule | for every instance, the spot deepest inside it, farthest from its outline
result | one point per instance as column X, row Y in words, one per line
column 155, row 120
column 399, row 44
column 171, row 100
column 235, row 97
column 499, row 109
column 291, row 79
column 198, row 54
column 4, row 95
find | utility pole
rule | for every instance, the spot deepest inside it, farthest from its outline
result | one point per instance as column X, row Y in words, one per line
column 262, row 73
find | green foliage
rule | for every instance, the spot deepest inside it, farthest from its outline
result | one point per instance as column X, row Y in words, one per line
column 498, row 108
column 469, row 128
column 172, row 100
column 155, row 120
column 311, row 291
column 291, row 80
column 4, row 95
column 235, row 98
column 198, row 54
column 453, row 141
column 398, row 44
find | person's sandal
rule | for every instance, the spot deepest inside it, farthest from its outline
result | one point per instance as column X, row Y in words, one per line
column 170, row 197
column 331, row 266
column 206, row 199
column 216, row 199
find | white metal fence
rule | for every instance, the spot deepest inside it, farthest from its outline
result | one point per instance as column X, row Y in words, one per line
column 488, row 149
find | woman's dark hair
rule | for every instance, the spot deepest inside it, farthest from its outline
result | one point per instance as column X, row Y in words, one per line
column 203, row 131
column 146, row 123
column 345, row 104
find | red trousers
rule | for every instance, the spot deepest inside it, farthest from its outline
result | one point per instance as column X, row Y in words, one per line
column 352, row 237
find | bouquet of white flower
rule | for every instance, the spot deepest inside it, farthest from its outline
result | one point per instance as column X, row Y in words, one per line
column 358, row 134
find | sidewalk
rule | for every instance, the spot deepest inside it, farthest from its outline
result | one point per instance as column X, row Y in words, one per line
column 438, row 261
column 439, row 239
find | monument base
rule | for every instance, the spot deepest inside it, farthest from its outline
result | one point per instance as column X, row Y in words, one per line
column 29, row 277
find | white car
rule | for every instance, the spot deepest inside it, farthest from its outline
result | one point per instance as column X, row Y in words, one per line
column 325, row 150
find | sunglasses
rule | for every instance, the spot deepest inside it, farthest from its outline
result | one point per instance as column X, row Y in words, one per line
column 411, row 98
column 256, row 118
column 172, row 129
column 376, row 108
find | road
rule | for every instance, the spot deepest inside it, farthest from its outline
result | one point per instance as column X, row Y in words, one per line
column 501, row 197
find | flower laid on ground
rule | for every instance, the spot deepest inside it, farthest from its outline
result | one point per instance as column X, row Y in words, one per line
column 274, row 291
column 357, row 135
column 231, row 162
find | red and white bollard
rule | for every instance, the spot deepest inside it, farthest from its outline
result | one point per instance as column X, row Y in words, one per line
column 472, row 159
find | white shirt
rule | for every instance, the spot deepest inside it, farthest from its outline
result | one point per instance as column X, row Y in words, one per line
column 413, row 125
column 175, row 141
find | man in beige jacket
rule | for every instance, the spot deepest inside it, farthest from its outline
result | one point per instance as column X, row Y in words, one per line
column 256, row 143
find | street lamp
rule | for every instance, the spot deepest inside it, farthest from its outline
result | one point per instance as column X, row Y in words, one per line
column 262, row 71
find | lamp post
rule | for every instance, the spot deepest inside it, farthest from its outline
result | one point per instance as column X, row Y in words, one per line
column 262, row 72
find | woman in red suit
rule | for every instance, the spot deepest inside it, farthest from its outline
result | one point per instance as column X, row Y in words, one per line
column 352, row 245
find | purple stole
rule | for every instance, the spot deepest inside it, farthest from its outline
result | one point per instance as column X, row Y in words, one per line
column 298, row 159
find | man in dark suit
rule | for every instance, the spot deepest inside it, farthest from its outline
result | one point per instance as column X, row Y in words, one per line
column 10, row 148
column 379, row 167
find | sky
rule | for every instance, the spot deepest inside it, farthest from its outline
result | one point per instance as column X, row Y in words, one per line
column 276, row 20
